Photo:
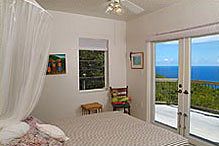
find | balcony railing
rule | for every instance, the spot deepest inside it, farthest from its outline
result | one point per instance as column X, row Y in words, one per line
column 204, row 94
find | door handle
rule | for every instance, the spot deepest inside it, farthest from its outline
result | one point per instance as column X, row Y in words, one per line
column 186, row 92
column 179, row 91
column 179, row 121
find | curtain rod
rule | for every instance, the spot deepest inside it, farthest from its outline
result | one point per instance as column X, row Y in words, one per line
column 186, row 29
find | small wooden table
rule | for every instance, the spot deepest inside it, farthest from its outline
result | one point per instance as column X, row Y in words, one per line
column 91, row 107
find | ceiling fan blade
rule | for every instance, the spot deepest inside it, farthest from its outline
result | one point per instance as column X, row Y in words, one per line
column 132, row 7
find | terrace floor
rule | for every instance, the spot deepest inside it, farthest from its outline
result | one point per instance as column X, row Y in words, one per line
column 203, row 124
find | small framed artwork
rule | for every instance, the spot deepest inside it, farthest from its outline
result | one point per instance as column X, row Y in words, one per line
column 137, row 60
column 56, row 64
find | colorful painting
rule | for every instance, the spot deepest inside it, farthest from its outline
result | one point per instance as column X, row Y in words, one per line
column 57, row 64
column 137, row 60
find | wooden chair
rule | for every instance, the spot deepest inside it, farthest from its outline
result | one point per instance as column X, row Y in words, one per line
column 119, row 93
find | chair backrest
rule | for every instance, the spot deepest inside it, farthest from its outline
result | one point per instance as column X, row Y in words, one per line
column 119, row 91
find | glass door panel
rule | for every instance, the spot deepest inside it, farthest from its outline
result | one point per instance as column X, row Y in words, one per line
column 204, row 107
column 166, row 95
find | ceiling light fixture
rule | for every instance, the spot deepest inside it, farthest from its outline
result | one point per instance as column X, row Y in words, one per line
column 114, row 7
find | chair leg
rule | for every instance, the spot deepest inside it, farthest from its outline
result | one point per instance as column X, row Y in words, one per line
column 129, row 112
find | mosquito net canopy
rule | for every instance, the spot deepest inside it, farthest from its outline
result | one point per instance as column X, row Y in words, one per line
column 24, row 43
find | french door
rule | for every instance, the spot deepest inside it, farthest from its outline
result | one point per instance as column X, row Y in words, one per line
column 187, row 87
column 169, row 109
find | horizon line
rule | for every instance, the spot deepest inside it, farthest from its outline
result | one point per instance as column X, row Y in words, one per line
column 191, row 65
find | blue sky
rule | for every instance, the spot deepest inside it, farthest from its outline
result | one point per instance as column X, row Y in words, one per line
column 205, row 52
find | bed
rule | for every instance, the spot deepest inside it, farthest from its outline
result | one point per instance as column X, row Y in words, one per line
column 116, row 129
column 102, row 129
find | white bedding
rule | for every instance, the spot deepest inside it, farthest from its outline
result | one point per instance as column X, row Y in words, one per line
column 116, row 129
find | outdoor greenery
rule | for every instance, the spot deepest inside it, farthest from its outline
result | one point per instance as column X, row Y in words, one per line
column 166, row 93
column 91, row 69
column 159, row 76
column 204, row 96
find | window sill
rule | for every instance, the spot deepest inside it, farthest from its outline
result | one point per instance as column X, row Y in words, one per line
column 93, row 90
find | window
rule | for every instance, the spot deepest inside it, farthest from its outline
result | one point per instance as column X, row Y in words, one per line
column 92, row 65
column 204, row 108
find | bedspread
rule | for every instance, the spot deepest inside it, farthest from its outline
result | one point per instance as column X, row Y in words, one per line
column 116, row 129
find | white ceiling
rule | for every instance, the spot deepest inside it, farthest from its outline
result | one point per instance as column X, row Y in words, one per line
column 98, row 7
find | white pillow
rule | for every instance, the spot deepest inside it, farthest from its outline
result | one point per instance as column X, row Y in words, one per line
column 13, row 131
column 53, row 131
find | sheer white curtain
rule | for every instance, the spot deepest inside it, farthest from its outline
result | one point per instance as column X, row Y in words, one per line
column 24, row 43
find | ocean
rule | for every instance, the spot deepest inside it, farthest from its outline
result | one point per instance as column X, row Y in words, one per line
column 205, row 73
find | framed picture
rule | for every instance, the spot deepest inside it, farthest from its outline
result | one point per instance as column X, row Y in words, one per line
column 137, row 60
column 56, row 64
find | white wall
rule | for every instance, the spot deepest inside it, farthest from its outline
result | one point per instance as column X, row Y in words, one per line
column 184, row 14
column 61, row 97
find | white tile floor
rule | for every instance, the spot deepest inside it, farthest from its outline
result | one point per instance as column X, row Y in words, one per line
column 203, row 124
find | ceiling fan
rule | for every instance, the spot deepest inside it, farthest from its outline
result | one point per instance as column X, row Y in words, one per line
column 117, row 7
